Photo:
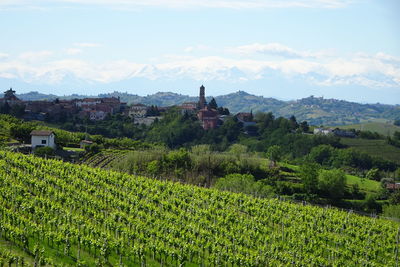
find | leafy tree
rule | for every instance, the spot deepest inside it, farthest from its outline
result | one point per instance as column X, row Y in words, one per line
column 308, row 173
column 371, row 205
column 293, row 122
column 373, row 174
column 44, row 151
column 395, row 198
column 243, row 183
column 322, row 154
column 178, row 158
column 274, row 153
column 213, row 104
column 22, row 131
column 397, row 122
column 332, row 183
column 17, row 110
column 304, row 126
column 237, row 150
column 153, row 111
column 5, row 108
column 223, row 111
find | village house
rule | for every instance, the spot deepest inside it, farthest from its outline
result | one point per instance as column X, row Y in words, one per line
column 208, row 117
column 393, row 186
column 344, row 133
column 99, row 108
column 146, row 120
column 138, row 111
column 85, row 143
column 188, row 107
column 43, row 138
column 87, row 102
column 245, row 118
column 323, row 131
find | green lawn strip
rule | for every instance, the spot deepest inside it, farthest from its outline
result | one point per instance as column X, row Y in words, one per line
column 364, row 184
column 75, row 149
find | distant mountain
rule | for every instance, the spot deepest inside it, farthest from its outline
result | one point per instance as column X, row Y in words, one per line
column 315, row 110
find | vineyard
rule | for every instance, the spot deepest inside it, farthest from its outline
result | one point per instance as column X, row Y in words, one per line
column 104, row 158
column 65, row 214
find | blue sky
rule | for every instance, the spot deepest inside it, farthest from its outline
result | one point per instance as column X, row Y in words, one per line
column 346, row 49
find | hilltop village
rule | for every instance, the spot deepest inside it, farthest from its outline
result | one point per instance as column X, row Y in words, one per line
column 97, row 109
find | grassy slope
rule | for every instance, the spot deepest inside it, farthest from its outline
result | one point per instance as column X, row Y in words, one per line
column 378, row 148
column 365, row 185
column 312, row 235
column 379, row 127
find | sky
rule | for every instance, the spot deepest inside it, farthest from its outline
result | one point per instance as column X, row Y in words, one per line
column 287, row 49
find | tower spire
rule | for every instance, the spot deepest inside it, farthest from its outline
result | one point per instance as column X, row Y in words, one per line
column 202, row 99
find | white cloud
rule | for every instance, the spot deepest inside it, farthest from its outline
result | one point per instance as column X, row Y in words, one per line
column 73, row 51
column 375, row 71
column 231, row 4
column 36, row 56
column 275, row 49
column 196, row 48
column 3, row 56
column 387, row 57
column 87, row 44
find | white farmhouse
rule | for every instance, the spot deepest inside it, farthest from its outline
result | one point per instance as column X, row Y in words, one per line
column 323, row 131
column 43, row 138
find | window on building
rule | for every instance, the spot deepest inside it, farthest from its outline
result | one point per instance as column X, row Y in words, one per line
column 43, row 142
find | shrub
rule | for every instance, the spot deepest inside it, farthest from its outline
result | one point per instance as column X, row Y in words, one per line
column 43, row 151
column 332, row 183
column 243, row 183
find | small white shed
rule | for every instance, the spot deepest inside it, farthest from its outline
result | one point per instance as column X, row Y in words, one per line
column 41, row 138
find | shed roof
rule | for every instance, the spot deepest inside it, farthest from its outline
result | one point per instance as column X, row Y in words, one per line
column 41, row 132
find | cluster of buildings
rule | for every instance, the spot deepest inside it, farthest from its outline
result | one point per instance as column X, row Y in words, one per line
column 336, row 132
column 97, row 109
column 209, row 117
column 92, row 108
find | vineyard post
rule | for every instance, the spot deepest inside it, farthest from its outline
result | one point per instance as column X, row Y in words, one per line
column 397, row 247
column 209, row 170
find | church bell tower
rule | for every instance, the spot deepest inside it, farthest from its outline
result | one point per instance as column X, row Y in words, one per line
column 202, row 99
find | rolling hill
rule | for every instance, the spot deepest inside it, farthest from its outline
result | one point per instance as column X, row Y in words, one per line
column 315, row 110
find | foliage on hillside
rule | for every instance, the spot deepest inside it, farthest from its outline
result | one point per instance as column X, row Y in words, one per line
column 76, row 215
column 315, row 110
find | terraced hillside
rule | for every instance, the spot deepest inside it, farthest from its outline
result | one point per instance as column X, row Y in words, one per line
column 59, row 213
column 377, row 148
column 386, row 129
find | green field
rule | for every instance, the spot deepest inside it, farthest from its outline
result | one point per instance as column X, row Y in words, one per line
column 383, row 128
column 74, row 149
column 65, row 214
column 365, row 185
column 378, row 148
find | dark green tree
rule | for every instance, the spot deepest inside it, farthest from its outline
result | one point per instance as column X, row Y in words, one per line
column 213, row 104
column 308, row 173
column 332, row 183
column 274, row 153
